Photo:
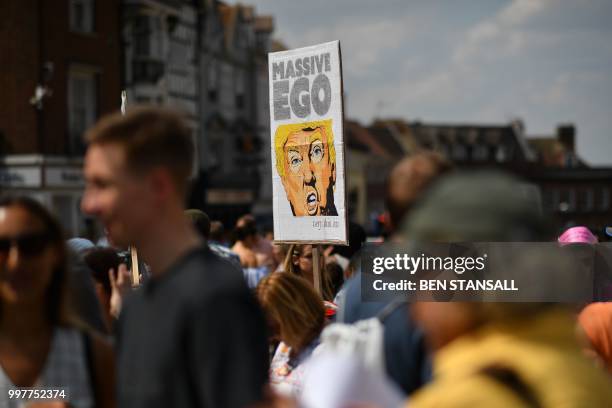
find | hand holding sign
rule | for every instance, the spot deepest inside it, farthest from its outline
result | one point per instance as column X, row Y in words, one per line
column 120, row 286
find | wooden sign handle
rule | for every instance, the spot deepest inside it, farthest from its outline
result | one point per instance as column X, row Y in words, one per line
column 133, row 251
column 316, row 268
column 135, row 269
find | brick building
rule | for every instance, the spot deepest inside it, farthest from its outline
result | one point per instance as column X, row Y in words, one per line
column 573, row 192
column 59, row 71
column 566, row 187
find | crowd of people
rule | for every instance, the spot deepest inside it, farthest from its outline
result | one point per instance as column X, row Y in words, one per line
column 235, row 320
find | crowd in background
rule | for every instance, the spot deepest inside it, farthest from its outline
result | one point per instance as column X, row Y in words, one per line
column 221, row 316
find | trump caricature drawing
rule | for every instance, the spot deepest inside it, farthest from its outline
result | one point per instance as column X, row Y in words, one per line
column 306, row 164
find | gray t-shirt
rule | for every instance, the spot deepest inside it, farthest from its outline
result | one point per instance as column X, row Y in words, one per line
column 194, row 337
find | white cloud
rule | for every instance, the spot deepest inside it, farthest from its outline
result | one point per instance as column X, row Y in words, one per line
column 362, row 41
column 503, row 34
column 519, row 11
column 556, row 93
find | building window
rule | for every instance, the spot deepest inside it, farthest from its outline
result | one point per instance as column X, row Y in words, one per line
column 444, row 150
column 605, row 199
column 480, row 153
column 141, row 32
column 147, row 70
column 567, row 200
column 244, row 38
column 82, row 104
column 548, row 199
column 240, row 90
column 501, row 154
column 82, row 16
column 556, row 199
column 212, row 81
column 179, row 54
column 589, row 200
column 148, row 34
column 459, row 152
column 585, row 199
column 142, row 45
column 240, row 101
column 158, row 36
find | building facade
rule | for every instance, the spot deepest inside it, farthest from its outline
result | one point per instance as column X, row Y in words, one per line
column 160, row 39
column 60, row 70
column 561, row 183
column 207, row 59
column 234, row 149
column 64, row 64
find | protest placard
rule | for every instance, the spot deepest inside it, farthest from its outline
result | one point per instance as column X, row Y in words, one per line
column 307, row 142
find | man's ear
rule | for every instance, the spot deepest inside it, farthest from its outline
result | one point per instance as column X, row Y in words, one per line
column 161, row 184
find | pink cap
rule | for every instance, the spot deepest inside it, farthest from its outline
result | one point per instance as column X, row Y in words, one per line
column 578, row 235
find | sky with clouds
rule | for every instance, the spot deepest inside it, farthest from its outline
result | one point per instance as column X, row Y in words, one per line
column 544, row 61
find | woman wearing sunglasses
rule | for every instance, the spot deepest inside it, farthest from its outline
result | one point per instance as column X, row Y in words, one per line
column 301, row 264
column 42, row 346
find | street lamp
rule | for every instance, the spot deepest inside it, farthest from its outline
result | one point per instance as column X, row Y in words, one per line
column 42, row 90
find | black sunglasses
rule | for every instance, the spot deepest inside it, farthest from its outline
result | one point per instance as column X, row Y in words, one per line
column 27, row 244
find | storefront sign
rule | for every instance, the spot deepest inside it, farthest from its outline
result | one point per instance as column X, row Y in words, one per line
column 28, row 177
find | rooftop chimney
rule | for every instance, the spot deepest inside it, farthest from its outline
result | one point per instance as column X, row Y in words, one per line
column 566, row 134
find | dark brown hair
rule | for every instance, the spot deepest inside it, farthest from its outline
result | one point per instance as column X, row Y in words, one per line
column 151, row 137
column 100, row 260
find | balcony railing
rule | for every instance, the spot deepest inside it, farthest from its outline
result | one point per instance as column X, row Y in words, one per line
column 147, row 70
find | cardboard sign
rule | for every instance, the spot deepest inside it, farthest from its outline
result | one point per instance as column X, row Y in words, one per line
column 307, row 142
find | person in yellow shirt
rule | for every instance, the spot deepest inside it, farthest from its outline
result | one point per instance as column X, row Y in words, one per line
column 498, row 354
